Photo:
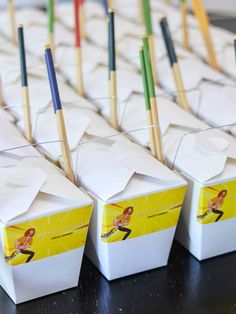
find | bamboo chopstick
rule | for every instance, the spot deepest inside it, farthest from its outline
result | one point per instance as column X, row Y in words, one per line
column 174, row 64
column 78, row 52
column 82, row 19
column 151, row 38
column 184, row 15
column 112, row 70
column 11, row 11
column 24, row 85
column 153, row 101
column 147, row 102
column 51, row 17
column 59, row 113
column 203, row 22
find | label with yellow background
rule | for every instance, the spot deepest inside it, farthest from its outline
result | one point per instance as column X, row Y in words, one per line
column 142, row 215
column 47, row 236
column 217, row 203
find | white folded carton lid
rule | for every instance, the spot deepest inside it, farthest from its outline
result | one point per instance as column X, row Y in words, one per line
column 122, row 170
column 35, row 188
column 190, row 145
column 30, row 185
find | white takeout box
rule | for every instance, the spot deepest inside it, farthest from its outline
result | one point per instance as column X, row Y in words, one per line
column 36, row 196
column 116, row 171
column 121, row 177
column 206, row 158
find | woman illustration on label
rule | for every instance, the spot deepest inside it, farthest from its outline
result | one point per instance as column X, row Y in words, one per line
column 120, row 222
column 215, row 206
column 22, row 244
column 123, row 220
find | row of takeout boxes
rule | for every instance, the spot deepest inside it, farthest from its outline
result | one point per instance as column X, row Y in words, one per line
column 137, row 199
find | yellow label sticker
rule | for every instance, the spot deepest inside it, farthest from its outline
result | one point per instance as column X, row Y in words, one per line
column 47, row 236
column 142, row 215
column 217, row 203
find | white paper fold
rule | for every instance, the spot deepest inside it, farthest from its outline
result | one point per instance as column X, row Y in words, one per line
column 123, row 28
column 107, row 172
column 19, row 188
column 189, row 146
column 96, row 85
column 27, row 16
column 46, row 130
column 21, row 185
column 56, row 183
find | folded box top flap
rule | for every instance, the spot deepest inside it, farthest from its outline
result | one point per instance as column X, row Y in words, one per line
column 36, row 36
column 92, row 57
column 11, row 141
column 217, row 142
column 220, row 37
column 64, row 13
column 31, row 16
column 10, row 71
column 63, row 36
column 19, row 188
column 101, row 28
column 40, row 89
column 123, row 27
column 21, row 184
column 203, row 155
column 6, row 47
column 211, row 100
column 98, row 126
column 41, row 96
column 173, row 115
column 129, row 46
column 128, row 82
column 46, row 129
column 5, row 117
column 229, row 90
column 70, row 98
column 78, row 122
column 56, row 183
column 193, row 73
column 9, row 159
column 126, row 27
column 39, row 101
column 107, row 172
column 142, row 162
column 186, row 54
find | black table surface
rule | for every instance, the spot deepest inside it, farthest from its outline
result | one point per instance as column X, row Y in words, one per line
column 184, row 286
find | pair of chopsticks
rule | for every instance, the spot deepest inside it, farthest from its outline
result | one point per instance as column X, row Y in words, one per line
column 56, row 101
column 150, row 100
column 79, row 32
